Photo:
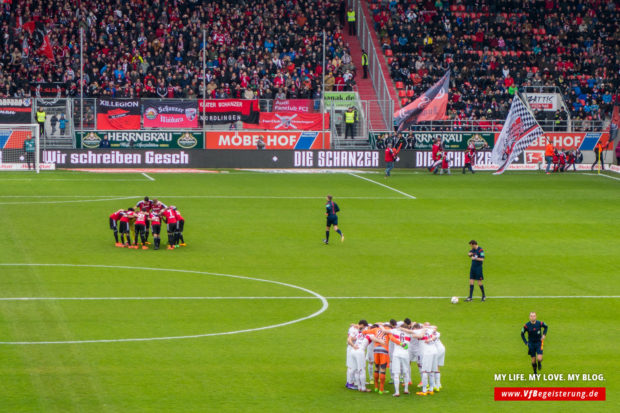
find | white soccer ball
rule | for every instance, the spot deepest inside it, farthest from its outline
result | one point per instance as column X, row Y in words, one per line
column 454, row 300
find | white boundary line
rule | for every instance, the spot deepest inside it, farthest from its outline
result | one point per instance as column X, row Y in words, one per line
column 147, row 176
column 606, row 176
column 122, row 340
column 385, row 186
column 72, row 180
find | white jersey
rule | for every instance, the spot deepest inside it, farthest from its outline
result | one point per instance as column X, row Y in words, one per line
column 403, row 338
column 429, row 353
column 352, row 334
column 415, row 350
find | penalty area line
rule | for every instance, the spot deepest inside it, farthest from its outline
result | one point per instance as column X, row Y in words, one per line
column 148, row 177
column 383, row 185
column 604, row 175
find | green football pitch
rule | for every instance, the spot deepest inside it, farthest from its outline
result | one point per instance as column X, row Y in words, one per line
column 252, row 314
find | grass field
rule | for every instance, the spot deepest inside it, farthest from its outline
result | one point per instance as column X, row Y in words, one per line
column 255, row 259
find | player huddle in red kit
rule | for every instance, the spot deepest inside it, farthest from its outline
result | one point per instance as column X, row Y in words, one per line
column 147, row 215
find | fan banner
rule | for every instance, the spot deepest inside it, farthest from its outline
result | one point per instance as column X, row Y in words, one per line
column 292, row 121
column 518, row 132
column 219, row 111
column 170, row 113
column 15, row 110
column 118, row 114
column 430, row 106
column 295, row 105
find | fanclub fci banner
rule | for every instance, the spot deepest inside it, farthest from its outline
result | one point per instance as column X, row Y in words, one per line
column 220, row 111
column 273, row 140
column 292, row 121
column 294, row 105
column 118, row 114
column 15, row 110
column 169, row 113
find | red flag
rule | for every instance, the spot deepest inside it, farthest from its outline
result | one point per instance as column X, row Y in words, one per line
column 29, row 26
column 430, row 106
column 46, row 48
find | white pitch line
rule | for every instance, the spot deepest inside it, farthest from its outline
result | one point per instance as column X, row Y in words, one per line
column 315, row 295
column 177, row 197
column 67, row 202
column 606, row 176
column 146, row 298
column 488, row 297
column 148, row 177
column 385, row 186
column 73, row 180
column 289, row 298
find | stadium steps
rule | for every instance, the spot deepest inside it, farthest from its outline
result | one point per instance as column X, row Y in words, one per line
column 56, row 142
column 364, row 86
column 351, row 144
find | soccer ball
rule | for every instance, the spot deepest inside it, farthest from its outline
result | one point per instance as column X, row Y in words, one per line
column 454, row 300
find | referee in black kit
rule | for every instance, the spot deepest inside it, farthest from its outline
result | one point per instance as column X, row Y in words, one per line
column 536, row 333
column 475, row 273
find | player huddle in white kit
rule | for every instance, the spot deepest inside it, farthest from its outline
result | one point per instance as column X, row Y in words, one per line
column 397, row 345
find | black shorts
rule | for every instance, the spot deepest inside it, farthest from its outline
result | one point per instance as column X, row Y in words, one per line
column 124, row 227
column 476, row 274
column 113, row 224
column 172, row 227
column 140, row 228
column 180, row 225
column 332, row 220
column 156, row 229
column 534, row 348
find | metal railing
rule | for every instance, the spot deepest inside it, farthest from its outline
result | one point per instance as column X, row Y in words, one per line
column 386, row 103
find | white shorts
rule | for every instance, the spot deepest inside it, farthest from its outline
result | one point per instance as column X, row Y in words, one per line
column 429, row 361
column 399, row 365
column 359, row 359
column 414, row 357
column 441, row 353
column 370, row 355
column 350, row 360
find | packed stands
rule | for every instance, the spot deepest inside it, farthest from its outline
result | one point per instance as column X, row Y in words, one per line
column 496, row 46
column 153, row 48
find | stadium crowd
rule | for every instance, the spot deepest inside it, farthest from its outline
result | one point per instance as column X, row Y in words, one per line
column 494, row 47
column 144, row 48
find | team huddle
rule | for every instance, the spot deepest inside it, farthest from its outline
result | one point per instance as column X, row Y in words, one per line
column 394, row 345
column 147, row 215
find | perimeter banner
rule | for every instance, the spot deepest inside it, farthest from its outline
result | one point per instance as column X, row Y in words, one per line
column 15, row 110
column 584, row 141
column 118, row 114
column 451, row 140
column 273, row 140
column 292, row 120
column 170, row 113
column 220, row 111
column 141, row 139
